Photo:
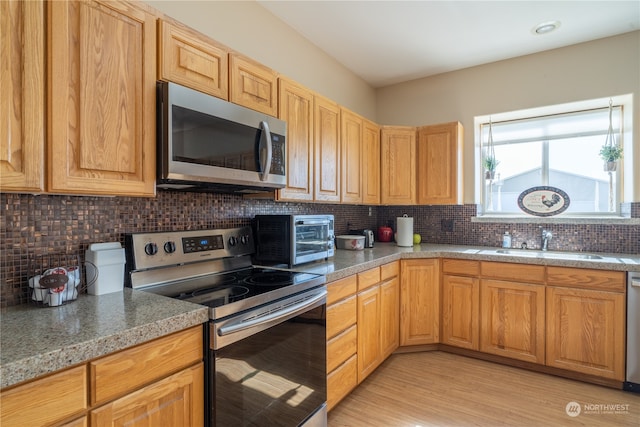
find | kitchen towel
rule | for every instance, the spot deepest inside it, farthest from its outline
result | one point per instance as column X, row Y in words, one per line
column 404, row 236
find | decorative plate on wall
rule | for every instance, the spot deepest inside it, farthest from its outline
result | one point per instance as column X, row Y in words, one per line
column 543, row 201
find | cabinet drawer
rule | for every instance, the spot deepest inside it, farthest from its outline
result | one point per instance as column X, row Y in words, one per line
column 586, row 278
column 341, row 289
column 390, row 270
column 341, row 315
column 341, row 347
column 368, row 278
column 461, row 267
column 516, row 272
column 341, row 381
column 115, row 375
column 46, row 400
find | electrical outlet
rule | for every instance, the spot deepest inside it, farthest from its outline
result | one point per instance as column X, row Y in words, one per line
column 446, row 225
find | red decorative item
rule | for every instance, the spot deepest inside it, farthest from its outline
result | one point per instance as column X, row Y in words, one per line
column 385, row 234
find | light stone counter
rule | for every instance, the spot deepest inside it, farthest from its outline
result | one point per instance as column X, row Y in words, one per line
column 37, row 340
column 346, row 263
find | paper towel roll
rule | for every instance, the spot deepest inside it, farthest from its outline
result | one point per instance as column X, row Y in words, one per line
column 405, row 231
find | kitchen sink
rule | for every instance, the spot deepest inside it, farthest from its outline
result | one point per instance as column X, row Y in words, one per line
column 539, row 254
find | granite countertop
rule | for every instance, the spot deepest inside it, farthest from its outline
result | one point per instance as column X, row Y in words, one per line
column 36, row 341
column 346, row 263
column 39, row 340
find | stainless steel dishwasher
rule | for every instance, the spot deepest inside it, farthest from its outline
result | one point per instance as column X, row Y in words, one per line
column 632, row 382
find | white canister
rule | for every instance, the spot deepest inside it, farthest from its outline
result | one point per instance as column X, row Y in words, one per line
column 404, row 235
column 106, row 263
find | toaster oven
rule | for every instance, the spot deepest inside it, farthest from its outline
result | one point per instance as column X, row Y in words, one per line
column 293, row 239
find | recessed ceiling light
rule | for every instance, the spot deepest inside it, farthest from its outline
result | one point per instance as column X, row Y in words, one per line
column 546, row 27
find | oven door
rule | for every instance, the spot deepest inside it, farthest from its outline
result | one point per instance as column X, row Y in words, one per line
column 269, row 366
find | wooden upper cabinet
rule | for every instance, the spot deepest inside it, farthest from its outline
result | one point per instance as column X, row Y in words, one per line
column 327, row 150
column 351, row 152
column 370, row 163
column 192, row 59
column 252, row 85
column 296, row 108
column 440, row 164
column 22, row 104
column 102, row 98
column 398, row 165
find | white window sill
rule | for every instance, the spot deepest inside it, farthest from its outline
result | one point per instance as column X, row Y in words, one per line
column 518, row 219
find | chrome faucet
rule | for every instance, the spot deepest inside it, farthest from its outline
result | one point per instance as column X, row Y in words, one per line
column 546, row 236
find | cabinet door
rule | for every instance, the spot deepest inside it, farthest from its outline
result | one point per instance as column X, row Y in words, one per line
column 177, row 400
column 101, row 108
column 369, row 356
column 296, row 108
column 419, row 302
column 389, row 317
column 512, row 320
column 370, row 163
column 252, row 85
column 440, row 164
column 327, row 150
column 586, row 331
column 341, row 381
column 192, row 59
column 398, row 165
column 22, row 102
column 351, row 152
column 45, row 401
column 460, row 311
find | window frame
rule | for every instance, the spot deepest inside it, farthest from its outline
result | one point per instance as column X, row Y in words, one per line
column 625, row 177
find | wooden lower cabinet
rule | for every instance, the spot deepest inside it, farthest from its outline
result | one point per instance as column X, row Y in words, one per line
column 390, row 316
column 158, row 383
column 586, row 331
column 45, row 401
column 419, row 302
column 512, row 320
column 342, row 339
column 369, row 355
column 460, row 311
column 174, row 401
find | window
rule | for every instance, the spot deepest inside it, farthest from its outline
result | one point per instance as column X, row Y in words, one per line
column 554, row 146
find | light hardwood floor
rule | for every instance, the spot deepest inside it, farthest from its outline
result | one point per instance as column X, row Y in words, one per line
column 442, row 389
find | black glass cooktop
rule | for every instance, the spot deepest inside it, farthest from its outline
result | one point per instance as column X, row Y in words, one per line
column 258, row 284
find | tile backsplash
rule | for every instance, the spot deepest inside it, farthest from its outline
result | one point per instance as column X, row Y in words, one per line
column 33, row 226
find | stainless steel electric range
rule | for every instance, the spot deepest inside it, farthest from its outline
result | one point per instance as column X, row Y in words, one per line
column 266, row 338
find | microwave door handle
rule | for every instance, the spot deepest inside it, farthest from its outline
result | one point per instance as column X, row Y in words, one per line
column 265, row 153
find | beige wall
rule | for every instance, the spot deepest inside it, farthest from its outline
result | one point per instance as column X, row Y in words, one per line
column 597, row 69
column 247, row 27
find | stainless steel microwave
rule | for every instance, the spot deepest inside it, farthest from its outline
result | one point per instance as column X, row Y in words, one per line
column 208, row 143
column 293, row 239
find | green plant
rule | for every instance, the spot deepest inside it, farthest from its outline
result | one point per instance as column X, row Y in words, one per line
column 490, row 163
column 610, row 153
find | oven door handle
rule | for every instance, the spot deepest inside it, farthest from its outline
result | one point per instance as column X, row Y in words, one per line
column 273, row 318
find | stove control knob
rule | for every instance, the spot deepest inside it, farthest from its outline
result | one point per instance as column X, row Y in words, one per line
column 232, row 241
column 244, row 239
column 170, row 247
column 151, row 249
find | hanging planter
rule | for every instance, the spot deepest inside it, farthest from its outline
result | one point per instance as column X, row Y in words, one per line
column 610, row 166
column 489, row 162
column 610, row 153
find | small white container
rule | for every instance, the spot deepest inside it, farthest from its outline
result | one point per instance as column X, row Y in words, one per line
column 350, row 242
column 506, row 240
column 106, row 260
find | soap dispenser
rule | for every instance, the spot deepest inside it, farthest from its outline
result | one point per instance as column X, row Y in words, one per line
column 506, row 240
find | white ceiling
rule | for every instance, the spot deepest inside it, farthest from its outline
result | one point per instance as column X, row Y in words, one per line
column 387, row 42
